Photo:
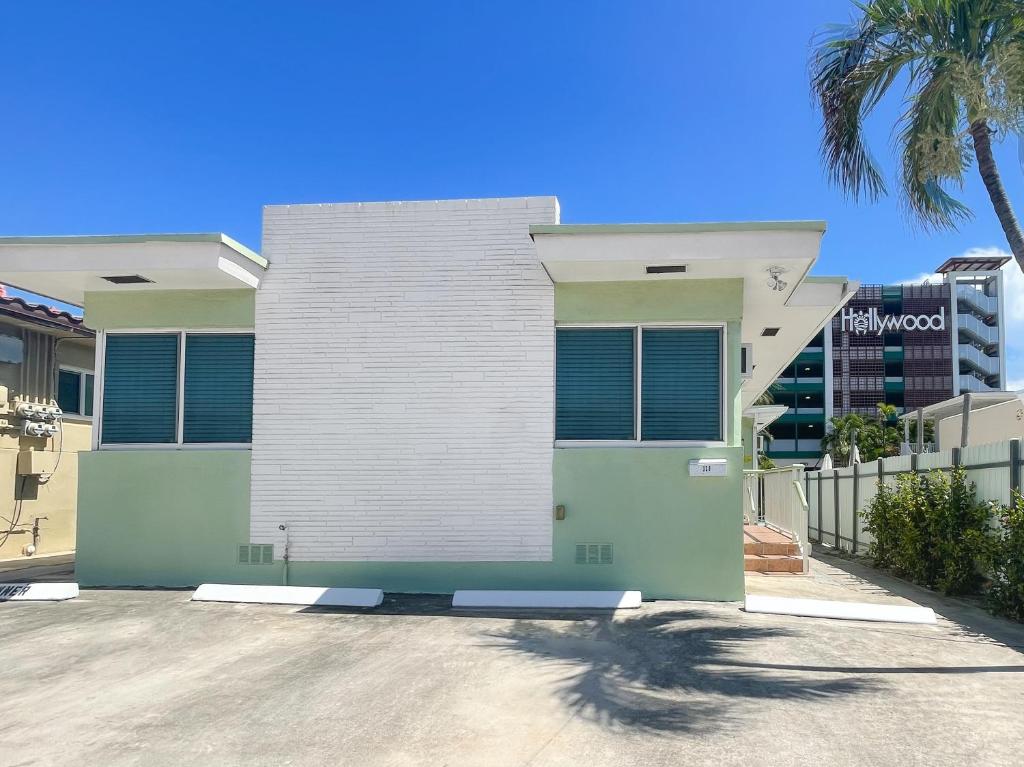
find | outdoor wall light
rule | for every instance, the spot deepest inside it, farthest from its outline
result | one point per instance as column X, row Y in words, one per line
column 775, row 281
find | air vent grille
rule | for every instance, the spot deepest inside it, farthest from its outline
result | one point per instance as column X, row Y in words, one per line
column 127, row 279
column 256, row 554
column 594, row 554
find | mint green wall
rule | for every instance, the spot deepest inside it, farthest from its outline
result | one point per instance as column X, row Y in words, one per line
column 111, row 310
column 175, row 518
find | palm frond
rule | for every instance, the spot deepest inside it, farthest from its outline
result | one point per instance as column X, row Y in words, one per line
column 934, row 149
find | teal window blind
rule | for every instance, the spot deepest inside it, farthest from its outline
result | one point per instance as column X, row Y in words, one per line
column 681, row 384
column 594, row 383
column 140, row 389
column 218, row 388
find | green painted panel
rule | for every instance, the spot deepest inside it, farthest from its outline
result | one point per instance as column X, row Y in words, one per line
column 107, row 310
column 810, row 357
column 176, row 518
column 655, row 301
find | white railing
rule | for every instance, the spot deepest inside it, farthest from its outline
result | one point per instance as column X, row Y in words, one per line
column 986, row 304
column 783, row 504
column 987, row 334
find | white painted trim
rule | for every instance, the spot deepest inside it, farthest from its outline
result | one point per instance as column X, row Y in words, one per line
column 97, row 388
column 37, row 592
column 80, row 415
column 288, row 595
column 854, row 611
column 563, row 443
column 179, row 422
column 594, row 600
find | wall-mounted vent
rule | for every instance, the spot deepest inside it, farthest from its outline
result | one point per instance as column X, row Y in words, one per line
column 769, row 332
column 127, row 279
column 668, row 269
column 593, row 553
column 256, row 554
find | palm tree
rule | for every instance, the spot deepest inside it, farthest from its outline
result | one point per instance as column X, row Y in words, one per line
column 963, row 64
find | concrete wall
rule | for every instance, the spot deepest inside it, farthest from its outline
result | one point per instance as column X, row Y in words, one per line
column 176, row 517
column 996, row 423
column 23, row 498
column 412, row 343
column 56, row 499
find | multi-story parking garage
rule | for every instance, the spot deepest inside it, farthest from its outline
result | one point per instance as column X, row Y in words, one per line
column 905, row 345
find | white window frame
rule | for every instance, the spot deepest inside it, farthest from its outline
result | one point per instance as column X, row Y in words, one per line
column 82, row 372
column 179, row 443
column 638, row 328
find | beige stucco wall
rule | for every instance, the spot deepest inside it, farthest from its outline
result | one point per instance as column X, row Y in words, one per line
column 997, row 423
column 56, row 499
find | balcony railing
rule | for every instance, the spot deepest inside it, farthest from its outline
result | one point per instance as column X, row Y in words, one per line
column 972, row 326
column 972, row 383
column 978, row 360
column 987, row 305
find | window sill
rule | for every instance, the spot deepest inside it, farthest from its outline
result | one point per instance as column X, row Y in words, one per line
column 171, row 446
column 632, row 443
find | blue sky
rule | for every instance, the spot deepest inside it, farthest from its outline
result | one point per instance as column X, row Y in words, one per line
column 189, row 116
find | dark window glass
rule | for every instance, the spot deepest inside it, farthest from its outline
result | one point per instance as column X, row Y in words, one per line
column 681, row 384
column 69, row 391
column 594, row 383
column 218, row 388
column 140, row 389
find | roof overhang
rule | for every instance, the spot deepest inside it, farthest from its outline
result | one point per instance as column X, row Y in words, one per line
column 66, row 268
column 955, row 406
column 798, row 307
column 764, row 415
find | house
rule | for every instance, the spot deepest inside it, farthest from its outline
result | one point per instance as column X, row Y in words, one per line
column 427, row 396
column 46, row 383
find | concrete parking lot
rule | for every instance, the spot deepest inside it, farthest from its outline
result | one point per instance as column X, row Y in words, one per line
column 148, row 678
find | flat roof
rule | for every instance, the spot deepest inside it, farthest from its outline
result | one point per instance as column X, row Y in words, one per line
column 973, row 264
column 689, row 228
column 955, row 406
column 122, row 239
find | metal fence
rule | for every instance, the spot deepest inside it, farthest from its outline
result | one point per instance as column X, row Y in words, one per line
column 837, row 496
column 776, row 498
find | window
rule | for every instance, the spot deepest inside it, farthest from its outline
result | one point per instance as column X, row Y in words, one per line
column 594, row 382
column 74, row 391
column 177, row 388
column 675, row 396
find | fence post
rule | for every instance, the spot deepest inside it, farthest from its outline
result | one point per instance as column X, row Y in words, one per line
column 835, row 493
column 1015, row 466
column 856, row 505
column 821, row 533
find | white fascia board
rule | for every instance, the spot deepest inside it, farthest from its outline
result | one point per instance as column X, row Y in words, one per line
column 707, row 255
column 595, row 600
column 65, row 272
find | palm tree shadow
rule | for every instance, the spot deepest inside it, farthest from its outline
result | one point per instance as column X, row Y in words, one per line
column 665, row 672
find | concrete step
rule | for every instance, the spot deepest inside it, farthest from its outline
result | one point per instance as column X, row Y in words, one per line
column 763, row 548
column 772, row 563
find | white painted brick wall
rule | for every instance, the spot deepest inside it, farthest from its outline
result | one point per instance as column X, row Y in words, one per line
column 404, row 382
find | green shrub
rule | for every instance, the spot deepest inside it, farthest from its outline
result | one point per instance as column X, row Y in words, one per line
column 932, row 530
column 1006, row 593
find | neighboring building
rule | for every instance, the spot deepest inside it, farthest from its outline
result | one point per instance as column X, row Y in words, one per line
column 994, row 417
column 426, row 396
column 905, row 345
column 46, row 360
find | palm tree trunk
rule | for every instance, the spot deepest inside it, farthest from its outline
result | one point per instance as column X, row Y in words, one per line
column 994, row 184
